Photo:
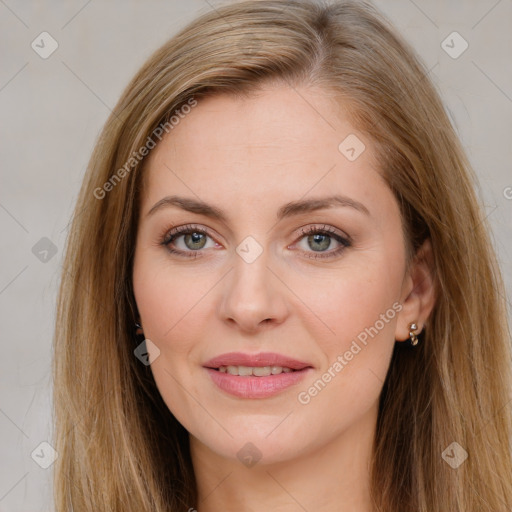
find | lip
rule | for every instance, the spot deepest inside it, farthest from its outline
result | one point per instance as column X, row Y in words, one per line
column 251, row 386
column 261, row 359
column 256, row 387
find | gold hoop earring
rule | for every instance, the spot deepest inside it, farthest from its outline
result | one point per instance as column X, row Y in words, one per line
column 139, row 333
column 413, row 338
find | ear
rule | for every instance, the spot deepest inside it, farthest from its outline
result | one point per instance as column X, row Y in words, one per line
column 418, row 292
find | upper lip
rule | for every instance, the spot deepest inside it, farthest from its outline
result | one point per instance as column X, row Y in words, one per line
column 261, row 359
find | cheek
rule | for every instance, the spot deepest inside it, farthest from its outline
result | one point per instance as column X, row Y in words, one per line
column 360, row 306
column 360, row 295
column 168, row 300
column 171, row 305
column 357, row 359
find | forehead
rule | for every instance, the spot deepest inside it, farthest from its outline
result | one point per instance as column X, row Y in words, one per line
column 280, row 143
column 274, row 122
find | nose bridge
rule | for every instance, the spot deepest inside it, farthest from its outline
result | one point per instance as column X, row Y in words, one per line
column 251, row 293
column 250, row 271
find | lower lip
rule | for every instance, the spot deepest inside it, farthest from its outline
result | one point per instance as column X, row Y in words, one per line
column 256, row 387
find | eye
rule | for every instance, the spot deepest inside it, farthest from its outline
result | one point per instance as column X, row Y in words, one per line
column 321, row 239
column 187, row 241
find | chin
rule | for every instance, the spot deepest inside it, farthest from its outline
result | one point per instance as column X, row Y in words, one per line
column 253, row 445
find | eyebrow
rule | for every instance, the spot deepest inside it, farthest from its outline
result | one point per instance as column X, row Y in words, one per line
column 288, row 210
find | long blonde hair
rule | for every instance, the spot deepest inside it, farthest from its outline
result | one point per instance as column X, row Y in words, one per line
column 120, row 448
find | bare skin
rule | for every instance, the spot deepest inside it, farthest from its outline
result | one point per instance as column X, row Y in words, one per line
column 248, row 158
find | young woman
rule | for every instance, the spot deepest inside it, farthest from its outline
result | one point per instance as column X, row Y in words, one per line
column 279, row 291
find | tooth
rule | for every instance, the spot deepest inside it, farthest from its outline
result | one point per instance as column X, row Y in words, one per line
column 257, row 371
column 232, row 370
column 263, row 371
column 245, row 371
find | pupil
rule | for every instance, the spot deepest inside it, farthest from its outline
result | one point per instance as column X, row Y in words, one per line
column 196, row 239
column 318, row 238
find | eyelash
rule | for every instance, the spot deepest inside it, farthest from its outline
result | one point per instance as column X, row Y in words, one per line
column 171, row 236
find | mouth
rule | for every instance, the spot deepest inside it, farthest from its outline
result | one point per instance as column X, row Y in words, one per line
column 256, row 375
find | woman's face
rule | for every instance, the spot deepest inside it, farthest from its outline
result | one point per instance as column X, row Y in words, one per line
column 268, row 263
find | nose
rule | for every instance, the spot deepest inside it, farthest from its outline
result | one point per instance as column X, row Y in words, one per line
column 254, row 297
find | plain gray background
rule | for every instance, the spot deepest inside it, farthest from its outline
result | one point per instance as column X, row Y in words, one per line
column 53, row 109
